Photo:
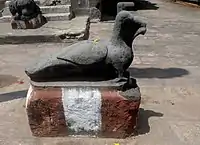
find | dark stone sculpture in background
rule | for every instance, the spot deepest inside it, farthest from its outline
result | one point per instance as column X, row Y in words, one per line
column 89, row 60
column 26, row 11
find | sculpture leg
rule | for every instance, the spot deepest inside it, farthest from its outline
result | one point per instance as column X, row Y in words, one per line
column 131, row 82
column 127, row 76
column 121, row 76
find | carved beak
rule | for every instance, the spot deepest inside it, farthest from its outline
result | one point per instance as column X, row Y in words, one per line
column 142, row 30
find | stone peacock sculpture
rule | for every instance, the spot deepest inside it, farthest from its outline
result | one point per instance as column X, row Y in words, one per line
column 89, row 60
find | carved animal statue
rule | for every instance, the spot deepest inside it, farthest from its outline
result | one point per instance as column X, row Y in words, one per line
column 88, row 59
column 24, row 9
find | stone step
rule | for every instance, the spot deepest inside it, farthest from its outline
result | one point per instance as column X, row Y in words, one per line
column 49, row 16
column 57, row 16
column 55, row 9
column 44, row 9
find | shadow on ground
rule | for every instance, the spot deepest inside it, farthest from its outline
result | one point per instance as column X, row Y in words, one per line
column 145, row 5
column 143, row 126
column 157, row 72
column 13, row 95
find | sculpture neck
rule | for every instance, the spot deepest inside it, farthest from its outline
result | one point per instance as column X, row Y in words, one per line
column 117, row 39
column 120, row 36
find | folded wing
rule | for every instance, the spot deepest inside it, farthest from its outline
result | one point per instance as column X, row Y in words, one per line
column 84, row 53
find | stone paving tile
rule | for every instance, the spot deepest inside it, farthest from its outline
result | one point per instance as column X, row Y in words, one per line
column 187, row 131
column 160, row 133
column 52, row 27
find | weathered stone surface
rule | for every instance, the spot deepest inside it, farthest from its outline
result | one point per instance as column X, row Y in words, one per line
column 53, row 31
column 119, row 115
column 45, row 112
column 87, row 111
column 30, row 24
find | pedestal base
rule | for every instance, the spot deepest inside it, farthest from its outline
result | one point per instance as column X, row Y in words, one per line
column 31, row 24
column 85, row 111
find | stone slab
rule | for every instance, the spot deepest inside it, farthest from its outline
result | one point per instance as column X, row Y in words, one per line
column 53, row 31
column 44, row 9
column 49, row 17
column 102, row 84
column 82, row 111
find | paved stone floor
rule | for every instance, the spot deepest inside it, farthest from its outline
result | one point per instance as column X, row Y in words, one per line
column 166, row 65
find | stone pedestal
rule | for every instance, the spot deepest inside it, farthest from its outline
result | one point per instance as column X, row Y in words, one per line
column 31, row 24
column 86, row 111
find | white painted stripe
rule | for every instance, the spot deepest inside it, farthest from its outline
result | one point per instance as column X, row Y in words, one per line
column 82, row 108
column 28, row 95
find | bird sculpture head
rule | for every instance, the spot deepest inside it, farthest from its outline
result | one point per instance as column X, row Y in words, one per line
column 127, row 28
